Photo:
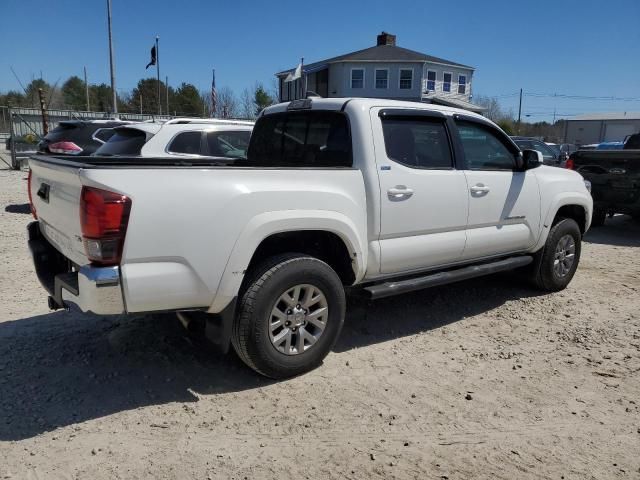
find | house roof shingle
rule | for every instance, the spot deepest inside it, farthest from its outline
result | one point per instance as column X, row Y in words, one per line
column 381, row 53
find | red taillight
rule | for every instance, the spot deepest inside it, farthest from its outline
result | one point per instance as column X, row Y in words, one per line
column 103, row 219
column 570, row 165
column 67, row 148
column 33, row 207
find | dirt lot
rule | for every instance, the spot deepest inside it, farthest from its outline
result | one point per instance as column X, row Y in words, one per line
column 484, row 379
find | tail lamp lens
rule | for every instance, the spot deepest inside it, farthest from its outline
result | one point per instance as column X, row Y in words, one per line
column 104, row 217
column 570, row 165
column 33, row 207
column 66, row 148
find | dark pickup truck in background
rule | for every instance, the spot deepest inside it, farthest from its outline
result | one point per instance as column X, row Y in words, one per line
column 614, row 177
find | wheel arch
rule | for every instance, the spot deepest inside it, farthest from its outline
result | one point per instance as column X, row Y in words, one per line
column 566, row 205
column 330, row 236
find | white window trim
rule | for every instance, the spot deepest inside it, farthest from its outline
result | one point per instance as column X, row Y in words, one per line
column 351, row 79
column 465, row 84
column 400, row 78
column 375, row 78
column 435, row 80
column 450, row 82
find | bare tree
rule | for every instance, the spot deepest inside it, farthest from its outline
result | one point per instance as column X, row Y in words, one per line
column 227, row 103
column 247, row 104
column 274, row 91
column 493, row 110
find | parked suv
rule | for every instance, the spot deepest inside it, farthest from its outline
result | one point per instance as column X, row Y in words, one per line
column 549, row 155
column 181, row 137
column 78, row 137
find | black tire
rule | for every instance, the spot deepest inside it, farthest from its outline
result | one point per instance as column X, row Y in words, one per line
column 543, row 274
column 263, row 287
column 598, row 217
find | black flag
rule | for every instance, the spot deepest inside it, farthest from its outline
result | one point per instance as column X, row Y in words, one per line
column 153, row 57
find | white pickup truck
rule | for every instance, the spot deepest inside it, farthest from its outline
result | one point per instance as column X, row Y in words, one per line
column 335, row 195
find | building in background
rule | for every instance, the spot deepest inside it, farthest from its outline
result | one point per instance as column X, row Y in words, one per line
column 601, row 127
column 385, row 71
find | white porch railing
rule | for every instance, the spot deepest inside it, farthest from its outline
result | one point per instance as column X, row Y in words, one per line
column 439, row 87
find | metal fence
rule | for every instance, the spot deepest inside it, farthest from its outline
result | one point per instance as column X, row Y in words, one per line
column 22, row 128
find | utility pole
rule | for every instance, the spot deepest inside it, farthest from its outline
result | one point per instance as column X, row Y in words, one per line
column 113, row 73
column 140, row 102
column 86, row 88
column 554, row 115
column 158, row 72
column 520, row 111
column 43, row 111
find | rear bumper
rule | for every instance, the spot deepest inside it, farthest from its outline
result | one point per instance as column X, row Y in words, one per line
column 90, row 288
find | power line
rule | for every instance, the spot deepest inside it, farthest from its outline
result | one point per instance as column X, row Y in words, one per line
column 582, row 97
column 567, row 96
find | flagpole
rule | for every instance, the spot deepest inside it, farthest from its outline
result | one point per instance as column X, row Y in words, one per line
column 113, row 75
column 158, row 72
column 301, row 74
column 166, row 87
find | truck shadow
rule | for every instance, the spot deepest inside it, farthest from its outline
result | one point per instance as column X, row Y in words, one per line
column 394, row 317
column 619, row 230
column 63, row 368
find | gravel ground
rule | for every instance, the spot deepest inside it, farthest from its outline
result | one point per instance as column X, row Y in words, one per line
column 483, row 379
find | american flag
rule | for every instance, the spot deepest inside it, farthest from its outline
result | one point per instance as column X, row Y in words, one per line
column 214, row 96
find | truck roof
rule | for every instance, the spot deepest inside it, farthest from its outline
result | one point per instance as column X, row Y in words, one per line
column 339, row 103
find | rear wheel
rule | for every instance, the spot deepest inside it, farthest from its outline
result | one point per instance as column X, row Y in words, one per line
column 555, row 265
column 290, row 315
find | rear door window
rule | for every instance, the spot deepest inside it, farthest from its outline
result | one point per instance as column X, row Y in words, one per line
column 301, row 139
column 187, row 143
column 126, row 141
column 228, row 143
column 417, row 143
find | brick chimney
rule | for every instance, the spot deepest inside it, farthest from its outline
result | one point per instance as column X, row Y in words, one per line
column 386, row 39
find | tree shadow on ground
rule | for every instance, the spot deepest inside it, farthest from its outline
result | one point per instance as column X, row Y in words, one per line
column 619, row 230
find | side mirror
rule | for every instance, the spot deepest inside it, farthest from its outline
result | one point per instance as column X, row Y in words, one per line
column 531, row 159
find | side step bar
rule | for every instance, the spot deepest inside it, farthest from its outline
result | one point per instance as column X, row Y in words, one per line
column 391, row 288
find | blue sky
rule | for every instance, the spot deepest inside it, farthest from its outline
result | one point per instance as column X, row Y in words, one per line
column 577, row 47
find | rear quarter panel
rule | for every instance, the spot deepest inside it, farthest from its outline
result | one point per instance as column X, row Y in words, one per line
column 192, row 232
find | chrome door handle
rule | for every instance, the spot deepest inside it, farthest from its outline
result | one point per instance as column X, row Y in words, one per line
column 399, row 192
column 479, row 188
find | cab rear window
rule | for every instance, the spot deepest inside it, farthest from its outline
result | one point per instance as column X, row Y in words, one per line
column 301, row 139
column 125, row 141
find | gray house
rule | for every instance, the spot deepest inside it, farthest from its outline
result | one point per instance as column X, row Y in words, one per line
column 385, row 71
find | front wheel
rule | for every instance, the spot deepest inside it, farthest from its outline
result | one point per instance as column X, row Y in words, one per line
column 290, row 315
column 555, row 265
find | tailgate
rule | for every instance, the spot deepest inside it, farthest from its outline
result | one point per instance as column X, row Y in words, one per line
column 55, row 191
column 614, row 174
